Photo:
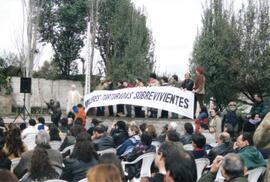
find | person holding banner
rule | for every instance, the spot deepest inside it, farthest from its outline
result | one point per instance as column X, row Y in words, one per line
column 199, row 89
column 138, row 109
column 153, row 82
column 120, row 107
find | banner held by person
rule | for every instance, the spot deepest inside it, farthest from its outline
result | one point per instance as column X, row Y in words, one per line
column 166, row 98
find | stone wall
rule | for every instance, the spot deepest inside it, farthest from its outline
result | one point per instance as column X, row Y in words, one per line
column 5, row 104
column 44, row 90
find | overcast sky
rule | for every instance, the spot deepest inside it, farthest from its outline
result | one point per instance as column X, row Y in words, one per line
column 174, row 24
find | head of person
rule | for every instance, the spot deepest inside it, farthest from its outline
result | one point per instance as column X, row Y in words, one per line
column 175, row 78
column 125, row 83
column 151, row 130
column 43, row 139
column 187, row 76
column 83, row 149
column 78, row 121
column 104, row 173
column 111, row 158
column 41, row 120
column 32, row 122
column 153, row 76
column 165, row 128
column 80, row 106
column 180, row 166
column 232, row 167
column 95, row 121
column 198, row 140
column 7, row 176
column 51, row 101
column 213, row 112
column 146, row 139
column 224, row 138
column 258, row 98
column 119, row 83
column 143, row 127
column 54, row 133
column 22, row 126
column 172, row 126
column 99, row 131
column 14, row 142
column 121, row 125
column 164, row 79
column 229, row 129
column 133, row 130
column 172, row 136
column 188, row 128
column 41, row 168
column 73, row 87
column 138, row 80
column 232, row 106
column 199, row 70
column 75, row 130
column 244, row 140
column 64, row 122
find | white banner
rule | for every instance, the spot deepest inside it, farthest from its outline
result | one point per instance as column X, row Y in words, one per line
column 166, row 98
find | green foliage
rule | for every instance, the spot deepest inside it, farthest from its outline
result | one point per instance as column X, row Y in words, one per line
column 48, row 71
column 234, row 50
column 124, row 41
column 62, row 23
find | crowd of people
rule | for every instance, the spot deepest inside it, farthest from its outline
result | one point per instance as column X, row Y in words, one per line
column 72, row 152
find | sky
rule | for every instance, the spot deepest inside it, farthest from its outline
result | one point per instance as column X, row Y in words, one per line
column 174, row 25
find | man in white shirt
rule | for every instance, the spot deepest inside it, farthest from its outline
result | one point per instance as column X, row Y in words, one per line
column 30, row 130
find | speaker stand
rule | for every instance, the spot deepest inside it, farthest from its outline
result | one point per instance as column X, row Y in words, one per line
column 23, row 112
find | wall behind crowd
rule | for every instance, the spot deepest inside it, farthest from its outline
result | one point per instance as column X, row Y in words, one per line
column 44, row 90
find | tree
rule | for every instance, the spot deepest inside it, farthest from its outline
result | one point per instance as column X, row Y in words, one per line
column 63, row 24
column 48, row 71
column 123, row 40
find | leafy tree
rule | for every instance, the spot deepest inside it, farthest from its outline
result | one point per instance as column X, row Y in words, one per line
column 63, row 24
column 47, row 71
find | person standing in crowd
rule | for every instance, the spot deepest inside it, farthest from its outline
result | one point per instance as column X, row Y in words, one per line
column 164, row 82
column 73, row 98
column 188, row 83
column 30, row 130
column 55, row 111
column 232, row 116
column 81, row 114
column 153, row 82
column 174, row 81
column 199, row 88
column 138, row 109
column 128, row 107
column 101, row 86
column 215, row 125
column 186, row 138
column 202, row 118
column 120, row 107
column 109, row 86
column 256, row 114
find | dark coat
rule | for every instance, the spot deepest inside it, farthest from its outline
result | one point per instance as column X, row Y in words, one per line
column 199, row 153
column 5, row 163
column 75, row 169
column 221, row 149
column 188, row 84
column 186, row 139
column 259, row 108
column 119, row 136
column 103, row 143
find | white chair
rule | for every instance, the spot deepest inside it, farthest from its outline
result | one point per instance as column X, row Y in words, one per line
column 156, row 144
column 14, row 163
column 254, row 174
column 83, row 180
column 201, row 164
column 55, row 144
column 147, row 160
column 110, row 150
column 219, row 177
column 188, row 147
column 55, row 180
column 69, row 148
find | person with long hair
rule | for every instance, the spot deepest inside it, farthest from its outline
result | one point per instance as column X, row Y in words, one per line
column 81, row 160
column 41, row 169
column 104, row 173
column 14, row 146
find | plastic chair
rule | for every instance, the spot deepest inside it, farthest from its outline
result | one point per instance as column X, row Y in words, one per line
column 83, row 180
column 156, row 144
column 201, row 164
column 55, row 180
column 219, row 177
column 188, row 147
column 14, row 163
column 147, row 160
column 109, row 150
column 254, row 174
column 55, row 144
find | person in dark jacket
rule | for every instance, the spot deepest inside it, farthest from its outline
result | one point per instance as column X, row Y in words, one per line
column 186, row 138
column 198, row 143
column 143, row 147
column 119, row 133
column 55, row 111
column 233, row 169
column 224, row 146
column 5, row 163
column 81, row 160
column 100, row 138
column 188, row 83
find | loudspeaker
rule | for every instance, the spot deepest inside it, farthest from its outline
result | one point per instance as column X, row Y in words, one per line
column 25, row 85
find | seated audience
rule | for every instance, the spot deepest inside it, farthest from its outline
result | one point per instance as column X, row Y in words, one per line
column 14, row 146
column 131, row 142
column 82, row 158
column 104, row 173
column 42, row 141
column 143, row 127
column 180, row 166
column 41, row 124
column 251, row 156
column 151, row 130
column 224, row 147
column 7, row 176
column 100, row 138
column 202, row 118
column 172, row 136
column 262, row 138
column 233, row 169
column 70, row 139
column 5, row 163
column 41, row 168
column 111, row 158
column 162, row 135
column 119, row 133
column 143, row 147
column 210, row 137
column 55, row 141
column 186, row 138
column 81, row 114
column 198, row 143
column 64, row 125
column 30, row 130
